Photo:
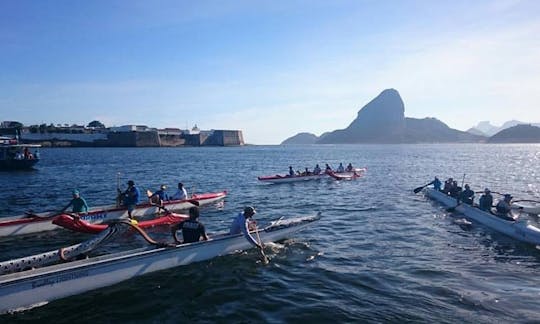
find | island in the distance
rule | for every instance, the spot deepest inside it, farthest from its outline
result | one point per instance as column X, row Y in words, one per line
column 383, row 121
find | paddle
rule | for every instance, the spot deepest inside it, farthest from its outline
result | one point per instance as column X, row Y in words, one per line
column 265, row 259
column 417, row 190
column 118, row 192
column 52, row 214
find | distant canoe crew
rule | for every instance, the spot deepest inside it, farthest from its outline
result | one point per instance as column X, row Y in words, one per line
column 486, row 200
column 467, row 196
column 192, row 229
column 78, row 203
column 436, row 184
column 291, row 171
column 340, row 168
column 181, row 193
column 349, row 168
column 241, row 225
column 317, row 169
column 131, row 197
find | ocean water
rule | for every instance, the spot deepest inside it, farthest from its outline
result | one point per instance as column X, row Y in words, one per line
column 380, row 253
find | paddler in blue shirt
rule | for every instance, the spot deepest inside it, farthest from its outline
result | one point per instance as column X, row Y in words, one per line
column 291, row 171
column 317, row 169
column 241, row 225
column 78, row 203
column 436, row 184
column 131, row 197
column 160, row 195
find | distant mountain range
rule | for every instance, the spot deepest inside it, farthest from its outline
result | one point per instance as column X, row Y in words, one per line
column 485, row 128
column 383, row 120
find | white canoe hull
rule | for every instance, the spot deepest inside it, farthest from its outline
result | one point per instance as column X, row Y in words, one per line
column 518, row 230
column 19, row 225
column 36, row 287
column 286, row 179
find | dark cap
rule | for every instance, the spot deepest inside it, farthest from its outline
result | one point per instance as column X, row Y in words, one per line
column 249, row 211
column 131, row 183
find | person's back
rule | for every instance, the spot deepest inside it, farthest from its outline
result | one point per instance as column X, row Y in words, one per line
column 192, row 229
column 317, row 169
column 486, row 200
column 467, row 196
column 350, row 168
column 503, row 206
column 340, row 168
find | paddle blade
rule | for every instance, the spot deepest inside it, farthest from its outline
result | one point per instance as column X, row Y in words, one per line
column 417, row 190
column 194, row 202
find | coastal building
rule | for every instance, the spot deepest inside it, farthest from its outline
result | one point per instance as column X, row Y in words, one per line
column 125, row 136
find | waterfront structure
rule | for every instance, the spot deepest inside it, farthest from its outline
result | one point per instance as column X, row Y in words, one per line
column 125, row 136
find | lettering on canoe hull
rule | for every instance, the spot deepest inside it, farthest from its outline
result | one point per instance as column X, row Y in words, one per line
column 95, row 217
column 61, row 278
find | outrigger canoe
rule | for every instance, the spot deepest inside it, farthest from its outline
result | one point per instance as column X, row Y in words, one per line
column 287, row 178
column 76, row 224
column 532, row 207
column 40, row 222
column 302, row 177
column 519, row 229
column 348, row 175
column 36, row 287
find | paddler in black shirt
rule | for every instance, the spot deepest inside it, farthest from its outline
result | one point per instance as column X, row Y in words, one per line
column 192, row 229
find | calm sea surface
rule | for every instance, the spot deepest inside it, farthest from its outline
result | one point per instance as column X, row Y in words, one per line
column 379, row 254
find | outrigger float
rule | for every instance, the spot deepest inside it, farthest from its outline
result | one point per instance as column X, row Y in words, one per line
column 40, row 222
column 519, row 229
column 23, row 286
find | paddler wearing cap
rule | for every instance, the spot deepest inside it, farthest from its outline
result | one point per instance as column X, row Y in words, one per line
column 241, row 225
column 131, row 197
column 159, row 196
column 486, row 200
column 78, row 203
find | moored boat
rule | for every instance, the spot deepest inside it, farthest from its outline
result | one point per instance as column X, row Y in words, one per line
column 17, row 156
column 38, row 286
column 76, row 224
column 33, row 223
column 519, row 229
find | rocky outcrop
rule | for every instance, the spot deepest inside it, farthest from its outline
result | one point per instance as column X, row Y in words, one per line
column 301, row 138
column 383, row 120
column 517, row 134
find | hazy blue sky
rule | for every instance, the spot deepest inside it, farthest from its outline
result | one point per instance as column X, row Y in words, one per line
column 270, row 68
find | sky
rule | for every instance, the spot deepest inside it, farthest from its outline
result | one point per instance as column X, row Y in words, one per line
column 269, row 68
